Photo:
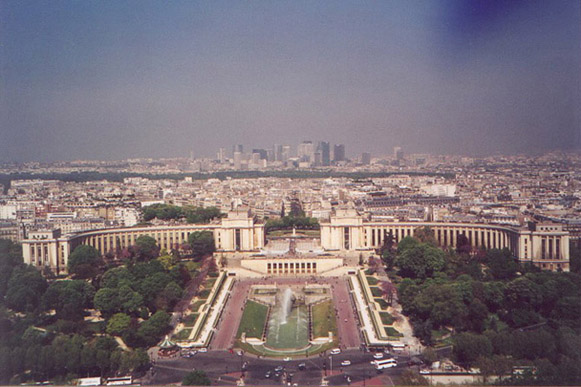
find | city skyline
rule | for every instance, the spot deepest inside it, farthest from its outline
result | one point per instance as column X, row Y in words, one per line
column 111, row 81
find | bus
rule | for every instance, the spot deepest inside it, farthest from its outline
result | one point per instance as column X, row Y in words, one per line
column 387, row 363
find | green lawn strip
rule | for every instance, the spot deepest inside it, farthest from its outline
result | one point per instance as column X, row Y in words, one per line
column 183, row 334
column 439, row 334
column 210, row 304
column 386, row 318
column 190, row 319
column 363, row 285
column 382, row 303
column 324, row 320
column 310, row 351
column 209, row 283
column 392, row 332
column 377, row 292
column 253, row 320
column 194, row 307
column 203, row 294
column 372, row 280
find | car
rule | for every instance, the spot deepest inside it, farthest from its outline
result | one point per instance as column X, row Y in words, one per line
column 335, row 351
column 203, row 350
column 245, row 365
column 278, row 368
column 287, row 359
column 302, row 366
column 268, row 374
column 378, row 355
column 345, row 363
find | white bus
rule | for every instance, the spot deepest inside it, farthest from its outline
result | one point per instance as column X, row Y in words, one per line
column 387, row 363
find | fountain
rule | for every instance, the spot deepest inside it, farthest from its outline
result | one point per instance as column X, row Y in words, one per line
column 288, row 325
column 286, row 304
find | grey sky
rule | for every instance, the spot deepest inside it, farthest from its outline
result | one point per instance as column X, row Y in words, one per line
column 119, row 79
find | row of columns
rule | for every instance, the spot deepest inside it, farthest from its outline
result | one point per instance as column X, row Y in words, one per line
column 445, row 236
column 166, row 239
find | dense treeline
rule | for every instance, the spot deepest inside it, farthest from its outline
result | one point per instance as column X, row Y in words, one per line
column 44, row 332
column 190, row 213
column 289, row 222
column 498, row 313
column 5, row 179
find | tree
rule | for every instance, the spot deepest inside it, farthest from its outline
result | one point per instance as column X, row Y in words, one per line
column 25, row 289
column 463, row 245
column 196, row 378
column 469, row 346
column 410, row 377
column 152, row 329
column 147, row 248
column 85, row 262
column 425, row 235
column 407, row 243
column 202, row 243
column 501, row 264
column 69, row 298
column 131, row 361
column 118, row 324
column 162, row 211
column 575, row 256
column 421, row 260
column 389, row 291
column 106, row 301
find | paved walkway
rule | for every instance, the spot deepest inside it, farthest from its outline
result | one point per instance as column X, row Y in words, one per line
column 228, row 325
column 347, row 325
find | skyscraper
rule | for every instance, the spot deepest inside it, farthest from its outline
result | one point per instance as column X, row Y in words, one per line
column 238, row 148
column 366, row 158
column 325, row 150
column 397, row 153
column 306, row 151
column 339, row 152
column 221, row 155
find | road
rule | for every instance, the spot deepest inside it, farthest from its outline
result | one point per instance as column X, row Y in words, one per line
column 224, row 368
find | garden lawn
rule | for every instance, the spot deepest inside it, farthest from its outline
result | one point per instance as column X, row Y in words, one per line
column 382, row 303
column 253, row 320
column 196, row 305
column 386, row 318
column 324, row 320
column 392, row 332
column 183, row 334
column 372, row 280
column 376, row 291
column 190, row 319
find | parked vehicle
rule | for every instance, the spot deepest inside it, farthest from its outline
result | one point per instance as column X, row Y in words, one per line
column 335, row 351
column 345, row 363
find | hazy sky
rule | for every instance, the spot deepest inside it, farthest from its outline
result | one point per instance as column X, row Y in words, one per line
column 118, row 79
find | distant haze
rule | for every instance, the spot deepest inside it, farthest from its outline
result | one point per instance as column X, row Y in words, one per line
column 121, row 79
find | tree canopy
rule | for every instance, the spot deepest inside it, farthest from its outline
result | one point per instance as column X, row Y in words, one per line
column 84, row 262
column 201, row 243
column 419, row 260
column 196, row 378
column 190, row 213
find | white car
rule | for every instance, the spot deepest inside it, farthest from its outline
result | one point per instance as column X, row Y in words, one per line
column 346, row 363
column 203, row 350
column 378, row 355
column 335, row 351
column 287, row 359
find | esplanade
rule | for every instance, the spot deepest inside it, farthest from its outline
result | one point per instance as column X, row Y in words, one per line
column 346, row 234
